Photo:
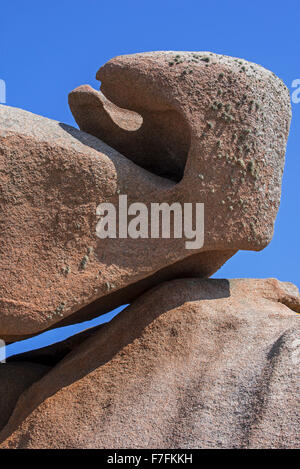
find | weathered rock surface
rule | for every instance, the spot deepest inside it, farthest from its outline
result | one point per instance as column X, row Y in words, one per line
column 52, row 178
column 214, row 127
column 192, row 363
column 215, row 118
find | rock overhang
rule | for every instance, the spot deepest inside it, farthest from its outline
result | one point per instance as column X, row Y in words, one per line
column 222, row 129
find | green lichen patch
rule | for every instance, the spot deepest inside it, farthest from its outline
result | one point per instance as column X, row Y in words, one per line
column 66, row 270
column 83, row 263
column 59, row 310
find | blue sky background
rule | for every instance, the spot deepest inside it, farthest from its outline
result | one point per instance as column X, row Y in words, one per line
column 49, row 48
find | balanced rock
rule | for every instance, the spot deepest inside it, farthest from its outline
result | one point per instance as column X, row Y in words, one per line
column 182, row 128
column 192, row 363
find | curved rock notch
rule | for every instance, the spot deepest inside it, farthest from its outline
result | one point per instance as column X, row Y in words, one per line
column 161, row 136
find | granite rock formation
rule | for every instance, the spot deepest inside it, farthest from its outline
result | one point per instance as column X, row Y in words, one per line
column 192, row 363
column 223, row 129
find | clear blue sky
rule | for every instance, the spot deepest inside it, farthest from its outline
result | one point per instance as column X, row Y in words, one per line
column 49, row 48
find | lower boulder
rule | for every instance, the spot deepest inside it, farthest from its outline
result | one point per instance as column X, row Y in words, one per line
column 192, row 363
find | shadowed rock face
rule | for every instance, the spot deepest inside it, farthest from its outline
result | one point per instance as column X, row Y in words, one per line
column 14, row 379
column 192, row 363
column 194, row 128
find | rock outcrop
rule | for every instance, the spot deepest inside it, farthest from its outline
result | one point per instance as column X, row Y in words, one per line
column 52, row 178
column 190, row 364
column 198, row 128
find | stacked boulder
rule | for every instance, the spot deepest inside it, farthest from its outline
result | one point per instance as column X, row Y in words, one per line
column 193, row 362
